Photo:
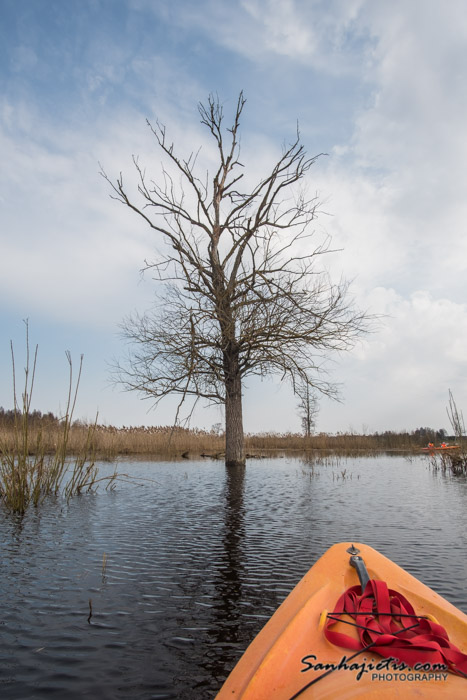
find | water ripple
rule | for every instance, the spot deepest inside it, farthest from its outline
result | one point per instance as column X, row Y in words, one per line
column 196, row 563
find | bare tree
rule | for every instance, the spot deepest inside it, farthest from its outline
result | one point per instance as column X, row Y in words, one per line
column 308, row 407
column 242, row 294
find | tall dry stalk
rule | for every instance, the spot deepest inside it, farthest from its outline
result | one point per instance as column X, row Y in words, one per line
column 456, row 419
column 453, row 462
column 19, row 472
column 28, row 473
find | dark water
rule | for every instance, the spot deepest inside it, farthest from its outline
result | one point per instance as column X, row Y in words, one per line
column 197, row 561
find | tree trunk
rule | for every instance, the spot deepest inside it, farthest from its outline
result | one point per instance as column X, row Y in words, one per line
column 234, row 442
column 308, row 413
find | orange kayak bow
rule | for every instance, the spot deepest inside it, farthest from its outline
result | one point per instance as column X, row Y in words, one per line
column 330, row 639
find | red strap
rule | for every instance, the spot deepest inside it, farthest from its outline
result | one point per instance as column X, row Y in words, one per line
column 380, row 612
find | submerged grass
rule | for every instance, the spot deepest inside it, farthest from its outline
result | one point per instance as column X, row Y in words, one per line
column 32, row 468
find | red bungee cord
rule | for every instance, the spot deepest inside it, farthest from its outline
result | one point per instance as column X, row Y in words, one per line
column 387, row 621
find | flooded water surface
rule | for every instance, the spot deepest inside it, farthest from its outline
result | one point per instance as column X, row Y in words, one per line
column 154, row 590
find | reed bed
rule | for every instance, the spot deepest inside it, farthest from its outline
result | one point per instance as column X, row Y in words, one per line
column 455, row 461
column 108, row 442
column 35, row 465
column 341, row 442
column 448, row 463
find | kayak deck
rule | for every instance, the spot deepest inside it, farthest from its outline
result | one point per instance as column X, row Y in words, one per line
column 292, row 650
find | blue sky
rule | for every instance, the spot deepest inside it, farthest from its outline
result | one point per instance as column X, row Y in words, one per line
column 378, row 86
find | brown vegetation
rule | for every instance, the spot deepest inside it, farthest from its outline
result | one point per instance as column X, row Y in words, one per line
column 35, row 449
column 453, row 462
column 108, row 442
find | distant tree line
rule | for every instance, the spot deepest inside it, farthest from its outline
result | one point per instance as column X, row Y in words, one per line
column 430, row 435
column 418, row 438
column 36, row 418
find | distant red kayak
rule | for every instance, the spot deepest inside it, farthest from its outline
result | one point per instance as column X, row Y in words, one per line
column 441, row 448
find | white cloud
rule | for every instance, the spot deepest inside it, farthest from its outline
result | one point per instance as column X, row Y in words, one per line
column 328, row 36
column 67, row 249
column 399, row 377
column 395, row 188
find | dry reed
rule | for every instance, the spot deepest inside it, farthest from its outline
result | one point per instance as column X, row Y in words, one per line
column 453, row 462
column 108, row 442
column 31, row 467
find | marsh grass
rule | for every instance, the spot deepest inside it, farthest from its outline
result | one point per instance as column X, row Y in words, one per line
column 108, row 443
column 454, row 462
column 32, row 468
column 346, row 444
column 450, row 464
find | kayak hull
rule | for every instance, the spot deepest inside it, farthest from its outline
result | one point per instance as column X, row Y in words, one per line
column 440, row 449
column 291, row 650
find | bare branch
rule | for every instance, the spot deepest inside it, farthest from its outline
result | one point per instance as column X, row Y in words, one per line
column 245, row 293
